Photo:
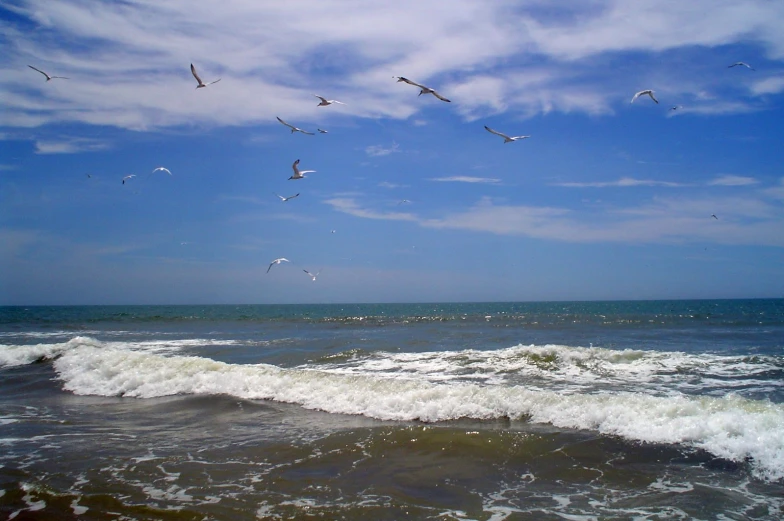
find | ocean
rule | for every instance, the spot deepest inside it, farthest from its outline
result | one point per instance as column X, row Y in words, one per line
column 646, row 410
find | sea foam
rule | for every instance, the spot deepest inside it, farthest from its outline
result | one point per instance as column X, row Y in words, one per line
column 730, row 427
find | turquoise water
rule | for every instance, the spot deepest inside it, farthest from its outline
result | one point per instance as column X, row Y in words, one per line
column 579, row 410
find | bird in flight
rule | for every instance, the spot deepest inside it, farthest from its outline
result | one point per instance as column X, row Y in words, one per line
column 201, row 83
column 295, row 129
column 277, row 261
column 312, row 276
column 284, row 199
column 742, row 64
column 299, row 174
column 48, row 78
column 320, row 131
column 507, row 139
column 676, row 107
column 649, row 92
column 128, row 177
column 423, row 89
column 714, row 216
column 325, row 101
column 162, row 169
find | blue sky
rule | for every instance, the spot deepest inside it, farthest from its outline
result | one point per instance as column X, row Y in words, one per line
column 606, row 200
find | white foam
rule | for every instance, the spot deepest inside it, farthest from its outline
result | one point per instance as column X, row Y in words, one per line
column 731, row 427
column 16, row 355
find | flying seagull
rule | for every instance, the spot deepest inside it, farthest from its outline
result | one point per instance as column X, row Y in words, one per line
column 311, row 275
column 321, row 131
column 128, row 177
column 162, row 169
column 277, row 261
column 649, row 92
column 298, row 174
column 284, row 199
column 295, row 129
column 507, row 139
column 676, row 107
column 325, row 101
column 742, row 64
column 714, row 216
column 423, row 89
column 201, row 83
column 48, row 78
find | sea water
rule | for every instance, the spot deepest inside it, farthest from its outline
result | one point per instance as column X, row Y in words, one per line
column 567, row 410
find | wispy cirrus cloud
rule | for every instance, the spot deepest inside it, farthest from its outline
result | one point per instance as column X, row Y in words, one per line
column 381, row 150
column 622, row 182
column 69, row 146
column 490, row 57
column 732, row 180
column 743, row 221
column 465, row 179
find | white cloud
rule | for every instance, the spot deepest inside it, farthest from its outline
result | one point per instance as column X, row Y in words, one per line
column 465, row 179
column 69, row 146
column 381, row 150
column 350, row 206
column 772, row 85
column 733, row 180
column 622, row 182
column 128, row 62
column 662, row 220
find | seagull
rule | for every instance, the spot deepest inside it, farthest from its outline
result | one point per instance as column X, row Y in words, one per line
column 162, row 169
column 295, row 129
column 649, row 92
column 507, row 139
column 89, row 176
column 201, row 83
column 311, row 275
column 128, row 177
column 277, row 261
column 325, row 101
column 298, row 174
column 403, row 201
column 742, row 64
column 676, row 107
column 714, row 216
column 321, row 131
column 48, row 78
column 423, row 89
column 284, row 199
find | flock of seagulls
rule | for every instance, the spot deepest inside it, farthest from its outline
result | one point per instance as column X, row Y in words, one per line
column 323, row 102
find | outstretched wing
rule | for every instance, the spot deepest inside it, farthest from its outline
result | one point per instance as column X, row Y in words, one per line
column 290, row 126
column 439, row 96
column 193, row 71
column 496, row 132
column 39, row 70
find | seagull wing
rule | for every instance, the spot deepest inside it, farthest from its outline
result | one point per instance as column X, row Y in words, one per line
column 406, row 80
column 193, row 71
column 292, row 197
column 439, row 96
column 324, row 101
column 636, row 96
column 281, row 197
column 496, row 132
column 290, row 126
column 303, row 172
column 162, row 169
column 306, row 132
column 336, row 101
column 42, row 72
column 210, row 83
column 650, row 93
